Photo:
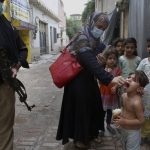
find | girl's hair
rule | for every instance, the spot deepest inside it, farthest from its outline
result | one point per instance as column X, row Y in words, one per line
column 131, row 40
column 116, row 41
column 111, row 50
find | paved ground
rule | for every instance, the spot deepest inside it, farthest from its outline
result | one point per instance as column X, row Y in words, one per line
column 36, row 130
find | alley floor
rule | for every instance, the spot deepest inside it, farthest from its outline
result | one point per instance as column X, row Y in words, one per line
column 36, row 130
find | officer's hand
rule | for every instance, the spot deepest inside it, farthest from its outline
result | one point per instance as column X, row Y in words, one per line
column 14, row 72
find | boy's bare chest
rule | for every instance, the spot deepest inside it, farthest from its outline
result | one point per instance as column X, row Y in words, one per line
column 128, row 107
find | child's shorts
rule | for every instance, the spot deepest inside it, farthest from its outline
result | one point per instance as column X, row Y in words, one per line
column 130, row 139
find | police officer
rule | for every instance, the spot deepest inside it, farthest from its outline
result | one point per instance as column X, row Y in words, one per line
column 17, row 54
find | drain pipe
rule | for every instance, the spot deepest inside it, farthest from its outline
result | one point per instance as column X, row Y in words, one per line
column 122, row 25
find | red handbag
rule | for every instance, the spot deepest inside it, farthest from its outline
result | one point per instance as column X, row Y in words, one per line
column 65, row 68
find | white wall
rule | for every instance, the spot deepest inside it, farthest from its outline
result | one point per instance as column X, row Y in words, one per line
column 52, row 4
column 35, row 43
column 62, row 24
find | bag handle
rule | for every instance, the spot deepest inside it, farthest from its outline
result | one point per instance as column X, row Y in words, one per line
column 73, row 40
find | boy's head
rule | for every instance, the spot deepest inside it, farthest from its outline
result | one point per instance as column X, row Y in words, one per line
column 119, row 45
column 136, row 82
column 148, row 45
column 130, row 47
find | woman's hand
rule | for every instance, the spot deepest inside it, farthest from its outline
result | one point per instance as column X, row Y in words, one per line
column 119, row 80
column 108, row 69
column 14, row 72
column 101, row 59
column 15, row 69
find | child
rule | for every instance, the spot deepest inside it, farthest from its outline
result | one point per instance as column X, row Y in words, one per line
column 145, row 66
column 109, row 93
column 129, row 61
column 118, row 44
column 132, row 115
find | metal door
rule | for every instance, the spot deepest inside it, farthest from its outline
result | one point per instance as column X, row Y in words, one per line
column 42, row 34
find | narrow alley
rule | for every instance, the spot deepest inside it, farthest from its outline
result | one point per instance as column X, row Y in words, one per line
column 36, row 130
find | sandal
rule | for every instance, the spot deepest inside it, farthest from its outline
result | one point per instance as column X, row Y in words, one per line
column 98, row 140
column 81, row 145
column 101, row 133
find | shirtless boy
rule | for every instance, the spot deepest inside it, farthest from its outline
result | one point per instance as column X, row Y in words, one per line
column 132, row 115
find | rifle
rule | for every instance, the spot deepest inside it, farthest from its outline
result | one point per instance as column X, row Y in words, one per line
column 6, row 76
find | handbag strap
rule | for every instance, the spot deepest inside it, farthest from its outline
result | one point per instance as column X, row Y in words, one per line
column 74, row 39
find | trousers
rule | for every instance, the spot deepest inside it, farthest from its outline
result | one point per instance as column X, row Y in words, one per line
column 130, row 139
column 7, row 115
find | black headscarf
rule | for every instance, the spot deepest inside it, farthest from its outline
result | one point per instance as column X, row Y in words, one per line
column 8, row 39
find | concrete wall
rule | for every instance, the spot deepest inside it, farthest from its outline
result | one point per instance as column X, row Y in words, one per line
column 105, row 5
